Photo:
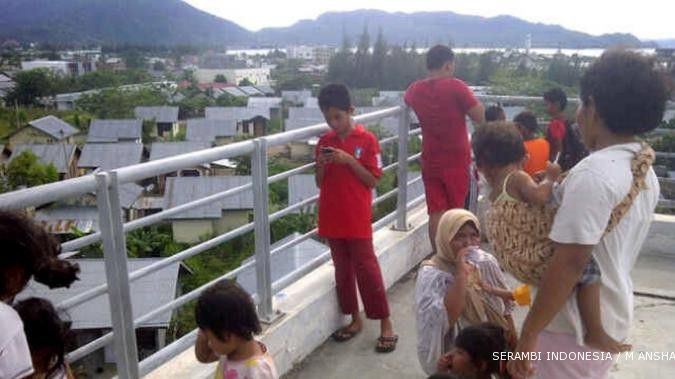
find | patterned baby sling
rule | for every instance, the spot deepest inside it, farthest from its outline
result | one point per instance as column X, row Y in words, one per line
column 519, row 231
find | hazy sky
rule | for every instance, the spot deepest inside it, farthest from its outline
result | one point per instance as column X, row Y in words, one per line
column 646, row 19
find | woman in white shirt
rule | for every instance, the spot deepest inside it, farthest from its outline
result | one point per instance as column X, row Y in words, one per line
column 448, row 293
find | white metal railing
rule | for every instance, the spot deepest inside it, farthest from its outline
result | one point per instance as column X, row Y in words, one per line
column 113, row 231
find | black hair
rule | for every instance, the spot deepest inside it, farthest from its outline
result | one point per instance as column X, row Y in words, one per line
column 334, row 95
column 47, row 334
column 481, row 342
column 29, row 250
column 556, row 96
column 227, row 308
column 629, row 94
column 527, row 120
column 439, row 55
column 497, row 144
column 494, row 113
column 443, row 375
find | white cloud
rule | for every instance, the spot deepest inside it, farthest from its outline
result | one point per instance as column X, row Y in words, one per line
column 646, row 19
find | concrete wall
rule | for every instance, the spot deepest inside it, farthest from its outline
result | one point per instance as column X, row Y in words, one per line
column 309, row 307
column 231, row 220
column 190, row 230
column 29, row 135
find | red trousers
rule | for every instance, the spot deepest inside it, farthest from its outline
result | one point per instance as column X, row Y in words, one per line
column 355, row 262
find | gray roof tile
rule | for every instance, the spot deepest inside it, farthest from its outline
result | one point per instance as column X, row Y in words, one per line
column 115, row 130
column 159, row 114
column 205, row 129
column 181, row 190
column 236, row 113
column 109, row 156
column 53, row 126
column 48, row 153
column 159, row 150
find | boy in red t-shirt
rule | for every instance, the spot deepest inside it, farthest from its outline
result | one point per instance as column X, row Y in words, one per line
column 348, row 166
column 556, row 101
column 442, row 103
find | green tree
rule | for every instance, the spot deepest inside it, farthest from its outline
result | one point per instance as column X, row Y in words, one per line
column 116, row 103
column 26, row 170
column 220, row 78
column 158, row 66
column 378, row 61
column 245, row 82
column 362, row 60
column 30, row 86
column 133, row 58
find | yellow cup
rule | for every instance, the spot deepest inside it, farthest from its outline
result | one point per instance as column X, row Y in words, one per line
column 522, row 295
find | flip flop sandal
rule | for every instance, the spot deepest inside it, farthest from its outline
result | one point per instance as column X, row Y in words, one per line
column 386, row 344
column 343, row 335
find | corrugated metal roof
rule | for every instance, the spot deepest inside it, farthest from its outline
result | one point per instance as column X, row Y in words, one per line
column 48, row 154
column 236, row 113
column 296, row 96
column 129, row 193
column 300, row 112
column 207, row 129
column 149, row 293
column 109, row 156
column 149, row 202
column 264, row 102
column 115, row 130
column 301, row 187
column 234, row 91
column 159, row 150
column 159, row 114
column 265, row 88
column 285, row 261
column 298, row 123
column 53, row 126
column 251, row 91
column 62, row 219
column 181, row 190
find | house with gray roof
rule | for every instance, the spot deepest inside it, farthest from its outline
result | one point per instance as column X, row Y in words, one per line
column 48, row 129
column 91, row 319
column 264, row 102
column 161, row 150
column 213, row 131
column 311, row 102
column 109, row 156
column 129, row 130
column 266, row 89
column 129, row 193
column 214, row 218
column 62, row 156
column 251, row 121
column 165, row 117
column 66, row 219
column 283, row 262
column 251, row 91
column 297, row 98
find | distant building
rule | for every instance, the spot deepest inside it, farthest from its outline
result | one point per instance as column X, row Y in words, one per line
column 217, row 217
column 6, row 85
column 255, row 75
column 74, row 68
column 317, row 54
column 91, row 319
column 296, row 98
column 126, row 130
column 161, row 150
column 109, row 156
column 212, row 131
column 165, row 117
column 62, row 156
column 48, row 129
column 250, row 121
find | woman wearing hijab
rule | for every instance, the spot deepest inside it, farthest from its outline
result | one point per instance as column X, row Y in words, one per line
column 449, row 292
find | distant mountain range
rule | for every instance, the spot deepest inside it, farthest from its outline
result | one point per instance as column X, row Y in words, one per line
column 174, row 22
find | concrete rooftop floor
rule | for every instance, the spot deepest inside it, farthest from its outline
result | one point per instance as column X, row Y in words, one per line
column 653, row 331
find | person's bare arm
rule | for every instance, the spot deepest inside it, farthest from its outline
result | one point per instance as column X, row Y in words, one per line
column 477, row 114
column 557, row 283
column 530, row 191
column 203, row 352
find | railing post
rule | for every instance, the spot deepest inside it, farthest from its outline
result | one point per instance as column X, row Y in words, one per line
column 262, row 230
column 401, row 223
column 117, row 275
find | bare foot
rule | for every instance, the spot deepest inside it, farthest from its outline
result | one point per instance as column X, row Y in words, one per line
column 603, row 342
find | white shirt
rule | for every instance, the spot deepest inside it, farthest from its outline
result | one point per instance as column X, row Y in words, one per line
column 15, row 361
column 588, row 196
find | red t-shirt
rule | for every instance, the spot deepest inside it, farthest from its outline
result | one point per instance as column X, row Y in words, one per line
column 441, row 104
column 556, row 130
column 345, row 203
